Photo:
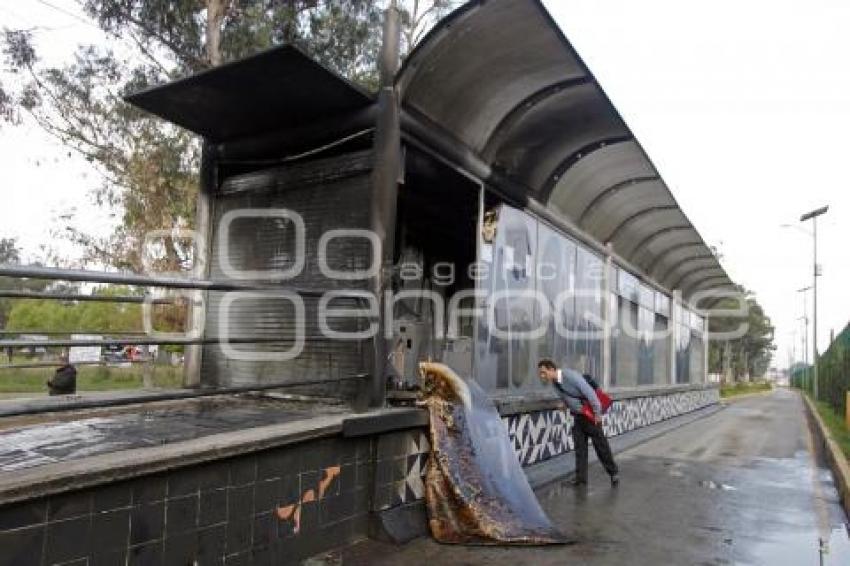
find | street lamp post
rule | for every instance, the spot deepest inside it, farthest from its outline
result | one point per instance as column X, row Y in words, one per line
column 813, row 216
column 805, row 320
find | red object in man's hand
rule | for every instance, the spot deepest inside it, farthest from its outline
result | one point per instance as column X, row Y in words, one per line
column 605, row 402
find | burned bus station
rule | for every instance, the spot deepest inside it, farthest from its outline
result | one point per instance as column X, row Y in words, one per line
column 486, row 208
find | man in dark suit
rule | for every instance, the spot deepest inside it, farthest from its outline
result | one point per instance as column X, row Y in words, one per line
column 573, row 388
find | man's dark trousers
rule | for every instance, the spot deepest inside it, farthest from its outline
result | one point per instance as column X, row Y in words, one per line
column 584, row 428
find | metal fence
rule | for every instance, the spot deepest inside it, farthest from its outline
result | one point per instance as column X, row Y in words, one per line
column 136, row 338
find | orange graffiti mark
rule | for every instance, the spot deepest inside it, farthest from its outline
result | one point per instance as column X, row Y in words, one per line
column 285, row 512
column 330, row 474
column 293, row 510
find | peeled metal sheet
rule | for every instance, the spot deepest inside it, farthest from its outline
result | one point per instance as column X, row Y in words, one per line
column 476, row 491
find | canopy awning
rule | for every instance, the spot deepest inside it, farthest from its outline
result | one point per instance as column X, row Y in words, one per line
column 500, row 77
column 275, row 90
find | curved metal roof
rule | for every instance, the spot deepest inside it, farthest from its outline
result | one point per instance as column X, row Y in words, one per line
column 500, row 77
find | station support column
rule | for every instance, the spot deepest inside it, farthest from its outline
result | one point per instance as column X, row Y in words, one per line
column 385, row 179
column 675, row 319
column 607, row 304
column 196, row 310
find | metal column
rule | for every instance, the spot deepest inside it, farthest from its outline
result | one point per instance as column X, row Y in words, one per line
column 196, row 314
column 607, row 299
column 675, row 318
column 385, row 178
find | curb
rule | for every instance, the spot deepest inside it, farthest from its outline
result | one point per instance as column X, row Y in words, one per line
column 834, row 455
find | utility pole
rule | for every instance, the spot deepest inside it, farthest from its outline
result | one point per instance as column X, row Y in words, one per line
column 813, row 216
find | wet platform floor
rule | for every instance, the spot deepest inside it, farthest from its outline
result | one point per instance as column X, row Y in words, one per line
column 744, row 486
column 25, row 447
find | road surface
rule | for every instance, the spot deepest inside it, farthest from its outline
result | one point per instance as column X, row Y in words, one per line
column 742, row 486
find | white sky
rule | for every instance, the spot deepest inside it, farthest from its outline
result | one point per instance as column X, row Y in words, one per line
column 744, row 107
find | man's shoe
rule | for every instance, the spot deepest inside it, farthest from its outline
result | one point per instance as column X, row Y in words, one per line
column 615, row 480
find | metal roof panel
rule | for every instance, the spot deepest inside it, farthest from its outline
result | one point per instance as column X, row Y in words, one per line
column 271, row 91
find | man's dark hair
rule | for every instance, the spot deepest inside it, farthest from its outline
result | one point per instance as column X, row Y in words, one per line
column 546, row 363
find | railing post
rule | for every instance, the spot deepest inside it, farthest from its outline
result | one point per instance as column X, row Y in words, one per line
column 147, row 368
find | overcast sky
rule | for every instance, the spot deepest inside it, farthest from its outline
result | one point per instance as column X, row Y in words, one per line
column 744, row 107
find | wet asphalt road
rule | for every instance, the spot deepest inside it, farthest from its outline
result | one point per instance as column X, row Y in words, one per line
column 742, row 486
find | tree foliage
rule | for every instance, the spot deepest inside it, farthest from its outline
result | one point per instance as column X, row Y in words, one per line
column 751, row 353
column 149, row 168
column 10, row 254
column 32, row 315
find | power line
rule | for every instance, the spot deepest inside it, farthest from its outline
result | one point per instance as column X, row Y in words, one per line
column 14, row 14
column 67, row 13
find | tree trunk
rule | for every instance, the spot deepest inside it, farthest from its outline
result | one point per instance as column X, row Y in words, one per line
column 215, row 15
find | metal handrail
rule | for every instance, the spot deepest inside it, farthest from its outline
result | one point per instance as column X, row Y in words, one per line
column 70, row 332
column 35, row 365
column 15, row 294
column 97, row 403
column 153, row 341
column 167, row 282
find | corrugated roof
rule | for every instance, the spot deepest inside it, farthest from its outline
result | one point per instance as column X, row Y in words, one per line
column 500, row 77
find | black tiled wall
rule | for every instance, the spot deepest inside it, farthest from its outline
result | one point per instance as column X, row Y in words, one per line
column 272, row 507
column 225, row 512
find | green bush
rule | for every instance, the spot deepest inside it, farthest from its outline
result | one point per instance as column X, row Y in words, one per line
column 833, row 375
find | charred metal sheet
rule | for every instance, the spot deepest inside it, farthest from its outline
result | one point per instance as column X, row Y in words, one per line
column 476, row 491
column 327, row 194
column 275, row 90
